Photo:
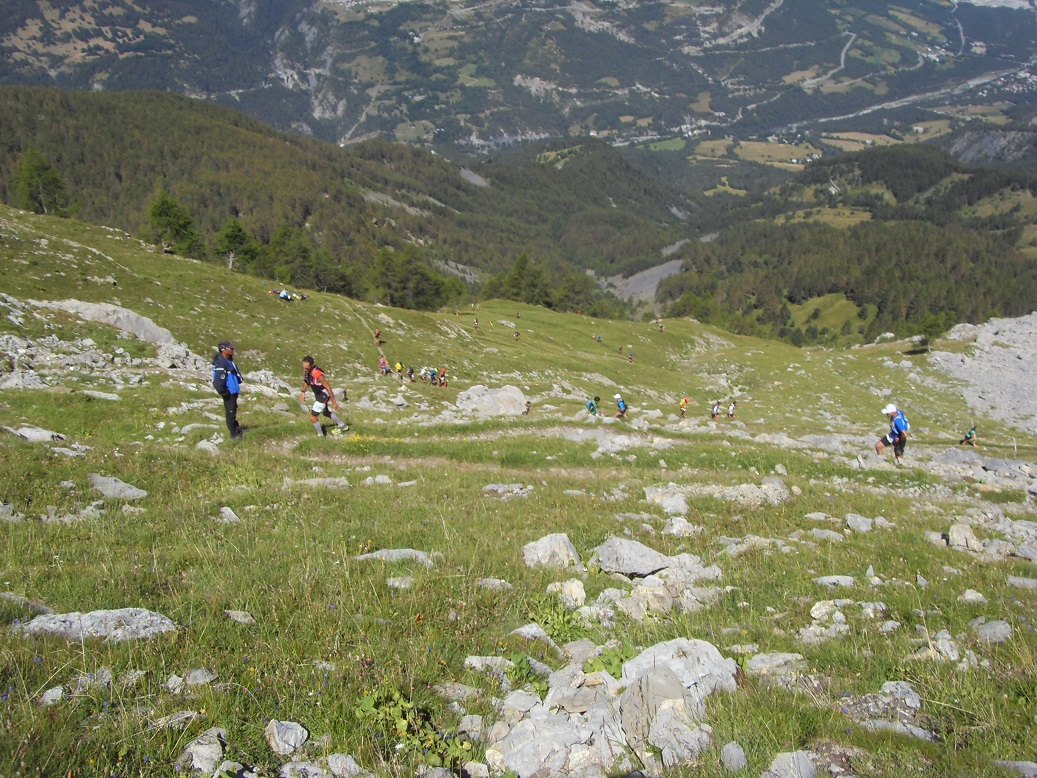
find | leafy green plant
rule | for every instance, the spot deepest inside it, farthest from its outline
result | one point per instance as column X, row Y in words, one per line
column 611, row 660
column 522, row 674
column 560, row 624
column 405, row 726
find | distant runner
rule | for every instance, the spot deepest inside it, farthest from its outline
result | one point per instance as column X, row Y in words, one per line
column 897, row 435
column 621, row 405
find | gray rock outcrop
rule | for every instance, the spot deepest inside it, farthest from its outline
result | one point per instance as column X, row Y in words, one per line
column 554, row 551
column 114, row 625
column 483, row 401
column 114, row 489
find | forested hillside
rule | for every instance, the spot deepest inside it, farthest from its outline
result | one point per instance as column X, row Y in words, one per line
column 913, row 238
column 315, row 215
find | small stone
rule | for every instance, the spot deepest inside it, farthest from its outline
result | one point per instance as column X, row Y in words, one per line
column 936, row 538
column 241, row 617
column 114, row 489
column 227, row 516
column 205, row 752
column 344, row 766
column 972, row 597
column 962, row 537
column 858, row 523
column 792, row 764
column 52, row 696
column 733, row 757
column 200, row 676
column 833, row 581
column 285, row 737
column 997, row 631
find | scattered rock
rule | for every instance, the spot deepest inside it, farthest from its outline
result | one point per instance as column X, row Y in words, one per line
column 241, row 617
column 680, row 527
column 114, row 489
column 179, row 720
column 733, row 757
column 483, row 401
column 628, row 557
column 792, row 764
column 285, row 737
column 962, row 537
column 858, row 523
column 833, row 581
column 553, row 551
column 507, row 491
column 36, row 434
column 228, row 516
column 899, row 728
column 397, row 555
column 52, row 696
column 1025, row 769
column 997, row 631
column 780, row 668
column 571, row 593
column 205, row 752
column 972, row 597
column 115, row 625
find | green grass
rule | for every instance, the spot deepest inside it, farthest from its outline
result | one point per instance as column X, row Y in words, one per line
column 290, row 562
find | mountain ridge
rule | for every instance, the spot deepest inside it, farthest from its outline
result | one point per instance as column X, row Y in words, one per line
column 485, row 74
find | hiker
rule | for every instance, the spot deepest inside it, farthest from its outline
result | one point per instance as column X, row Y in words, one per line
column 226, row 380
column 476, row 323
column 378, row 337
column 323, row 395
column 516, row 335
column 630, row 357
column 592, row 406
column 715, row 412
column 970, row 438
column 410, row 374
column 383, row 365
column 684, row 407
column 621, row 405
column 398, row 367
column 731, row 410
column 525, row 411
column 442, row 377
column 284, row 295
column 897, row 435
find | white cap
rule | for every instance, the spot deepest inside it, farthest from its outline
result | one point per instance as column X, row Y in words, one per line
column 617, row 397
column 891, row 408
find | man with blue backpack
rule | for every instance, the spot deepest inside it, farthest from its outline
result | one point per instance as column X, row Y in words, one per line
column 226, row 380
column 897, row 435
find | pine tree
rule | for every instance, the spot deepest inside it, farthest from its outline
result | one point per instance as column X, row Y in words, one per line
column 38, row 186
column 173, row 228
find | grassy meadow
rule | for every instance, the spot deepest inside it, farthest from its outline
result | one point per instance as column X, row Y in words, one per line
column 331, row 631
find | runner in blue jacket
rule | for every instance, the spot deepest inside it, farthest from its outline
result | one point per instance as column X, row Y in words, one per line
column 897, row 435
